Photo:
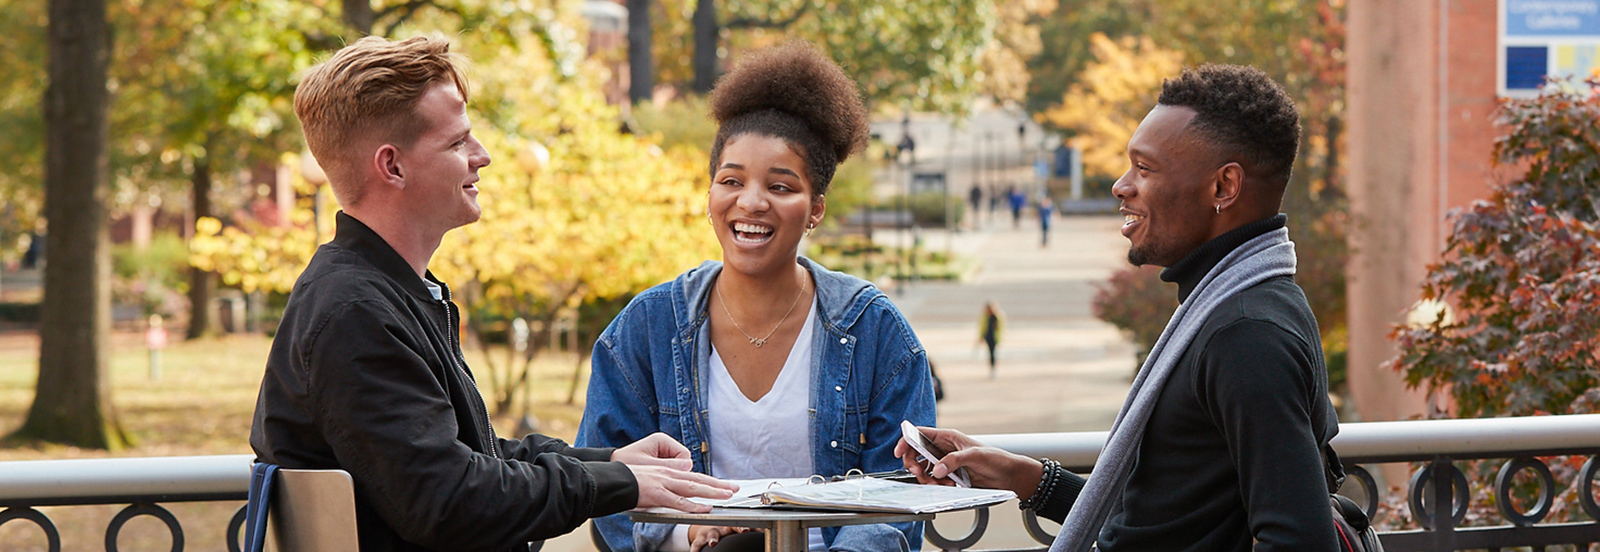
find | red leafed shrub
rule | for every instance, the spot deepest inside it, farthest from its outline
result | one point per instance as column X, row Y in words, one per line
column 1137, row 301
column 1521, row 274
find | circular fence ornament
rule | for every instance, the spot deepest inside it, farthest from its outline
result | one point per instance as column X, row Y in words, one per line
column 144, row 509
column 980, row 523
column 1422, row 484
column 52, row 537
column 1502, row 491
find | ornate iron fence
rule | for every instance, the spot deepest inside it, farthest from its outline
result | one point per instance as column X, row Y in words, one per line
column 145, row 483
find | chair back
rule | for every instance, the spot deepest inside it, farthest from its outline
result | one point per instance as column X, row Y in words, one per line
column 312, row 511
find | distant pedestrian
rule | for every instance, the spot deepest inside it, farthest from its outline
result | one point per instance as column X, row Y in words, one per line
column 994, row 201
column 1047, row 208
column 975, row 197
column 990, row 325
column 1018, row 200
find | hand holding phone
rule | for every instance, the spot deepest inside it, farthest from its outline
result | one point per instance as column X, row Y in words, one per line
column 930, row 452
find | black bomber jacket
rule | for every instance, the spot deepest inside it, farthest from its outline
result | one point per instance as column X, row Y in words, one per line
column 366, row 375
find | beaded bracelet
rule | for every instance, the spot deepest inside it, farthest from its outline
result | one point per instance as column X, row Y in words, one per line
column 1047, row 485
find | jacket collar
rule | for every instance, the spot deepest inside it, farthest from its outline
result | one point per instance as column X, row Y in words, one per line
column 841, row 297
column 1188, row 272
column 356, row 237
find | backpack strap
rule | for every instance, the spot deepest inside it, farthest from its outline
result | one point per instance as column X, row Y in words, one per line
column 255, row 513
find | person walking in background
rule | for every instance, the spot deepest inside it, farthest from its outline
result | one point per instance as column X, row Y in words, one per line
column 989, row 326
column 1222, row 444
column 1018, row 201
column 975, row 197
column 1047, row 209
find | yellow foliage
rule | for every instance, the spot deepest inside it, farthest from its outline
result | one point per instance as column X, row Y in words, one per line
column 608, row 215
column 1113, row 94
column 1003, row 63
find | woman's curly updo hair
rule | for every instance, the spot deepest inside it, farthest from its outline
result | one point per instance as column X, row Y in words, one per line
column 795, row 93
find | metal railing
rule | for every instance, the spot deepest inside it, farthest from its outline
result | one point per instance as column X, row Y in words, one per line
column 145, row 483
column 1439, row 443
column 141, row 483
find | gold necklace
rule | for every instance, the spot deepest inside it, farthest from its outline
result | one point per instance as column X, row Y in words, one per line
column 758, row 342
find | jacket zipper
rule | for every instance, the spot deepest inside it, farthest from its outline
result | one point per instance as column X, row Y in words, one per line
column 485, row 427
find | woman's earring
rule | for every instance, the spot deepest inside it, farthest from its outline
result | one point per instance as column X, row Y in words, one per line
column 809, row 227
column 710, row 222
column 1219, row 208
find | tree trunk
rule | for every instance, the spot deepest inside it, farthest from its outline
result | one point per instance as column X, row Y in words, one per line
column 358, row 15
column 202, row 283
column 72, row 401
column 705, row 45
column 641, row 65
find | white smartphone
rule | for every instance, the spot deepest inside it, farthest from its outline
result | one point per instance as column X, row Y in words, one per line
column 930, row 452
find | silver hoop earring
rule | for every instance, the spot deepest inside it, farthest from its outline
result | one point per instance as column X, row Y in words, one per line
column 1219, row 208
column 810, row 227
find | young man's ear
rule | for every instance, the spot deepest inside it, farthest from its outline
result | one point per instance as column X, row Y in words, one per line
column 386, row 161
column 1228, row 184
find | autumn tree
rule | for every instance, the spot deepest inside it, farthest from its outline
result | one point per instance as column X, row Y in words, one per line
column 73, row 401
column 22, row 37
column 925, row 53
column 1112, row 96
column 209, row 94
column 1003, row 69
column 1519, row 281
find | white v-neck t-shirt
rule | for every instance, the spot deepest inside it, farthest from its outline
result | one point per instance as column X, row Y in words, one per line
column 769, row 437
column 766, row 438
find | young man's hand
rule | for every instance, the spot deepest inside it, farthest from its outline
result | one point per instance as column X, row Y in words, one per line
column 988, row 467
column 661, row 486
column 658, row 449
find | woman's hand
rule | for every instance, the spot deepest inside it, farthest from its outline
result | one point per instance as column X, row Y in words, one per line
column 702, row 536
column 656, row 449
column 989, row 467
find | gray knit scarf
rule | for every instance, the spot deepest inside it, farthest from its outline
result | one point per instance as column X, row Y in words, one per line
column 1266, row 256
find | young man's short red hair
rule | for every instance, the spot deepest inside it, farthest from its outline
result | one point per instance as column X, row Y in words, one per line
column 369, row 90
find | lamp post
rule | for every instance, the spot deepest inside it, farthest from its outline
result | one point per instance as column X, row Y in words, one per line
column 908, row 158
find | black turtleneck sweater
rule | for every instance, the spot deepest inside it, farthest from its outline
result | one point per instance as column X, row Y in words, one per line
column 1233, row 452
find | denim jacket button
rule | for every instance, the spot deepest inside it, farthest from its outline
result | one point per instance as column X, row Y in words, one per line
column 838, row 388
column 834, row 444
column 844, row 341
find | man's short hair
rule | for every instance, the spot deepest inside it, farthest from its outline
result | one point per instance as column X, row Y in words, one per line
column 1241, row 110
column 370, row 89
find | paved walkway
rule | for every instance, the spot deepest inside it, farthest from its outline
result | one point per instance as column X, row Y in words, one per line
column 1060, row 368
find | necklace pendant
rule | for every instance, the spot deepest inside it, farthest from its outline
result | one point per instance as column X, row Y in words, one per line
column 757, row 342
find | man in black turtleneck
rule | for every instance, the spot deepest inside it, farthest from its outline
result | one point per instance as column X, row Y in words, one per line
column 1232, row 456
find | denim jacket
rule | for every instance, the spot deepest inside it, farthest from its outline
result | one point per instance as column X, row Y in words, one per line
column 868, row 373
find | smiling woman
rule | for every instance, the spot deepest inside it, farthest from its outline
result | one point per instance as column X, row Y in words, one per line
column 766, row 365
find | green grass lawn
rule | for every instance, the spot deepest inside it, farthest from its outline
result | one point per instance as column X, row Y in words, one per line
column 202, row 405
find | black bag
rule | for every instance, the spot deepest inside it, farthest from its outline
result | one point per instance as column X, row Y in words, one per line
column 1355, row 532
column 1354, row 529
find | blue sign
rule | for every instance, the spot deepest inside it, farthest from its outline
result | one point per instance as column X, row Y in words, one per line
column 1535, row 18
column 1525, row 67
